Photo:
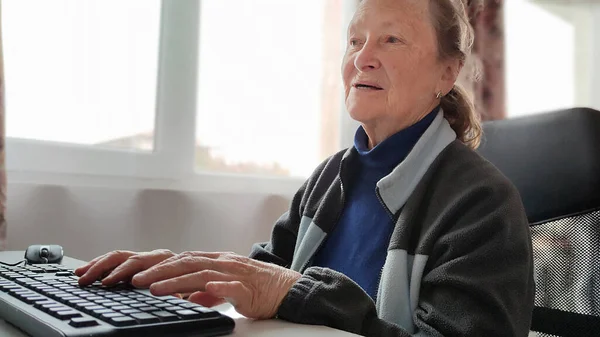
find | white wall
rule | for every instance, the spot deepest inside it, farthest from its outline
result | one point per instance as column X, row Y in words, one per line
column 595, row 67
column 94, row 207
column 88, row 221
column 554, row 63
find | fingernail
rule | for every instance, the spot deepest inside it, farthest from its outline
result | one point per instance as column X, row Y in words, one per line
column 155, row 289
column 137, row 280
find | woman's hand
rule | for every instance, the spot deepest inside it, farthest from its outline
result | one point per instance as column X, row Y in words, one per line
column 119, row 266
column 256, row 289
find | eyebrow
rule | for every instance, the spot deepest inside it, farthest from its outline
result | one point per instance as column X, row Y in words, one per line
column 388, row 24
column 385, row 24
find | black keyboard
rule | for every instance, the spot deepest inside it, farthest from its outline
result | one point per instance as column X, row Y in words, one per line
column 46, row 301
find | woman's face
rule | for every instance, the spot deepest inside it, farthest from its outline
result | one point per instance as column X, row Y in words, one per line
column 391, row 68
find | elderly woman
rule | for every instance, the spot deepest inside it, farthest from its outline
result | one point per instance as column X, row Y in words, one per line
column 409, row 232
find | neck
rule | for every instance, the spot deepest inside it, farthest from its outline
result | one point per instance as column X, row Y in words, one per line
column 381, row 129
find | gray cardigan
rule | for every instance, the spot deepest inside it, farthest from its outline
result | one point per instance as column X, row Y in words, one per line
column 459, row 261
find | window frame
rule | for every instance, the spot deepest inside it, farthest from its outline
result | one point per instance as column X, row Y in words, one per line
column 172, row 163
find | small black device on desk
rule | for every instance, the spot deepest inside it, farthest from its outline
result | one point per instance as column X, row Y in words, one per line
column 41, row 254
column 44, row 299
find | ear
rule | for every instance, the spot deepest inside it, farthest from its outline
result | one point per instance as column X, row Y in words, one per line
column 450, row 72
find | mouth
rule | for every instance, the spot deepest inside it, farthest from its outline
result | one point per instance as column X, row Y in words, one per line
column 366, row 86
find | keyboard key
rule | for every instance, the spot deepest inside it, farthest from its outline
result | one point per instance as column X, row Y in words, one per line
column 130, row 311
column 93, row 307
column 165, row 316
column 12, row 276
column 9, row 287
column 70, row 289
column 206, row 312
column 21, row 280
column 129, row 302
column 149, row 309
column 65, row 315
column 189, row 305
column 137, row 296
column 102, row 311
column 111, row 304
column 53, row 281
column 122, row 321
column 145, row 318
column 177, row 301
column 112, row 295
column 82, row 322
column 153, row 301
column 44, row 301
column 59, row 294
column 43, row 288
column 121, row 307
column 148, row 299
column 55, row 308
column 138, row 305
column 48, row 307
column 32, row 299
column 85, row 304
column 163, row 305
column 26, row 292
column 110, row 315
column 188, row 314
column 83, row 294
column 64, row 273
column 34, row 283
column 173, row 308
column 102, row 301
column 23, row 292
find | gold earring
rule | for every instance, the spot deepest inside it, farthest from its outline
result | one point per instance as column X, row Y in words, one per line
column 438, row 95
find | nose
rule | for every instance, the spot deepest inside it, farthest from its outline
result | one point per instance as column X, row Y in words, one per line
column 366, row 59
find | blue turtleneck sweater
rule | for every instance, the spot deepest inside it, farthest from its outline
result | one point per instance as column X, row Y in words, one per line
column 357, row 247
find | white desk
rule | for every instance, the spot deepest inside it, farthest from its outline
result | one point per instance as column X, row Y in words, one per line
column 243, row 325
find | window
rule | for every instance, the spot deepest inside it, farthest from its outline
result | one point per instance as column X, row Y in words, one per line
column 178, row 93
column 82, row 72
column 269, row 85
column 551, row 64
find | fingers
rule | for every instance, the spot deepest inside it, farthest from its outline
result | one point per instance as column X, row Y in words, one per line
column 205, row 299
column 188, row 263
column 188, row 283
column 183, row 296
column 232, row 290
column 83, row 269
column 135, row 264
column 103, row 265
column 210, row 255
column 238, row 295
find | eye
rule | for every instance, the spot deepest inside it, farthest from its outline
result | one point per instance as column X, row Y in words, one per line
column 392, row 39
column 354, row 42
